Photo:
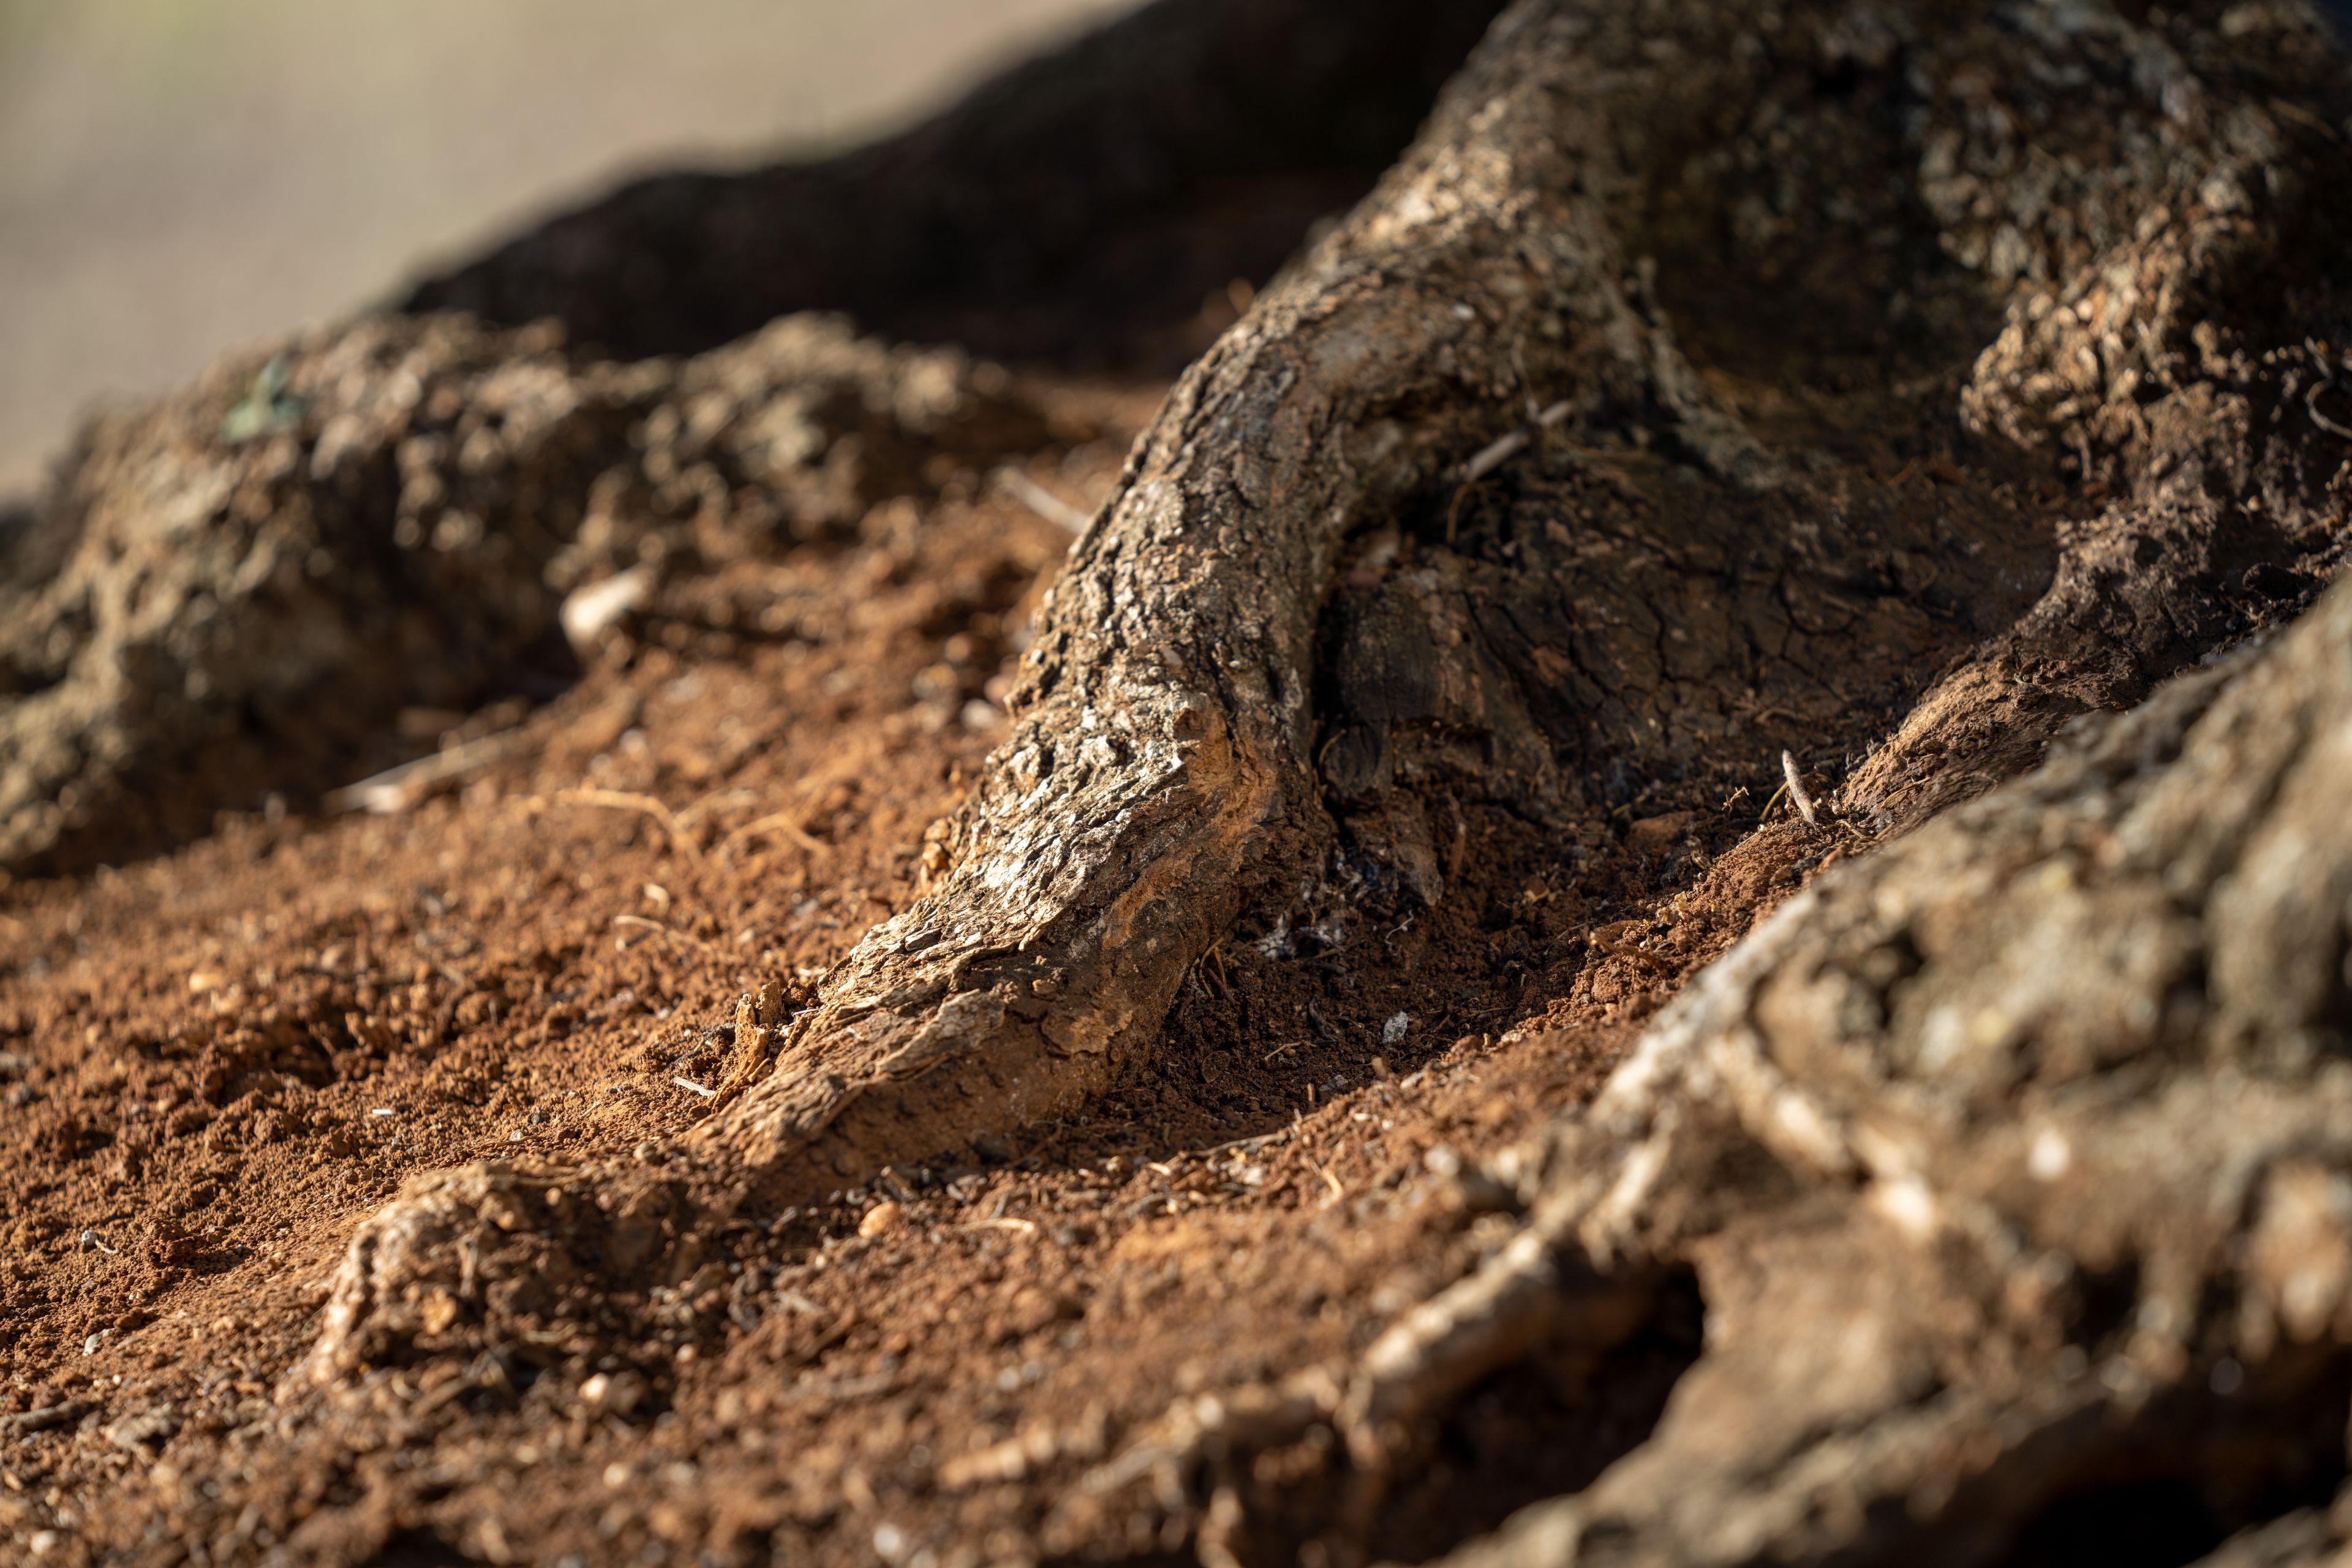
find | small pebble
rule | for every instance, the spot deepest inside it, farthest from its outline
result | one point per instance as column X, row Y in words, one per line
column 881, row 1217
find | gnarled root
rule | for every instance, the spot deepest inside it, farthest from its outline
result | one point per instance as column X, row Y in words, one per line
column 1166, row 775
column 1486, row 501
column 2013, row 1162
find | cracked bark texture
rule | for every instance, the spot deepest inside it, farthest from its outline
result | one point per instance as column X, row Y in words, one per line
column 2013, row 1166
column 1958, row 371
column 1170, row 769
column 2013, row 1162
column 1159, row 776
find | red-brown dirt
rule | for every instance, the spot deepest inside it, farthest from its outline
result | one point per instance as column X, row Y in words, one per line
column 217, row 1062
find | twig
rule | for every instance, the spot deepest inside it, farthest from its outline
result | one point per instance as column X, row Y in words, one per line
column 42, row 1420
column 1621, row 949
column 1338, row 1192
column 1453, row 507
column 1491, row 456
column 2311, row 407
column 644, row 924
column 396, row 790
column 692, row 1087
column 694, row 812
column 1251, row 1145
column 784, row 822
column 1797, row 795
column 1041, row 500
column 624, row 800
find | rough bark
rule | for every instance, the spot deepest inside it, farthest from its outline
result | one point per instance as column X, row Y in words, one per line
column 198, row 611
column 2011, row 1160
column 1701, row 384
column 2147, row 252
column 1170, row 766
column 2011, row 1165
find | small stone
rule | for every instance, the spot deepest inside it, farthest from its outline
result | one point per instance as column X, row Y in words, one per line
column 613, row 1393
column 882, row 1218
column 588, row 612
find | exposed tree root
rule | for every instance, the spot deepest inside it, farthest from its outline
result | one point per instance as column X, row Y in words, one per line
column 2012, row 1162
column 2012, row 1159
column 1162, row 776
column 1698, row 552
column 235, row 594
column 1701, row 385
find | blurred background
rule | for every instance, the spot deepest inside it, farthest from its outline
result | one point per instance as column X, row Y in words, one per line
column 180, row 177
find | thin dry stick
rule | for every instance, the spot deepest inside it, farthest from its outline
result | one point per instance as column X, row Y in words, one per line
column 642, row 924
column 1797, row 795
column 785, row 822
column 400, row 789
column 694, row 811
column 1041, row 500
column 623, row 800
column 1490, row 456
column 1026, row 1227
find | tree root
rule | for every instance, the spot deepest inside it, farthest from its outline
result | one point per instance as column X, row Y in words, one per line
column 236, row 592
column 2059, row 337
column 1074, row 210
column 1166, row 775
column 2014, row 1163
